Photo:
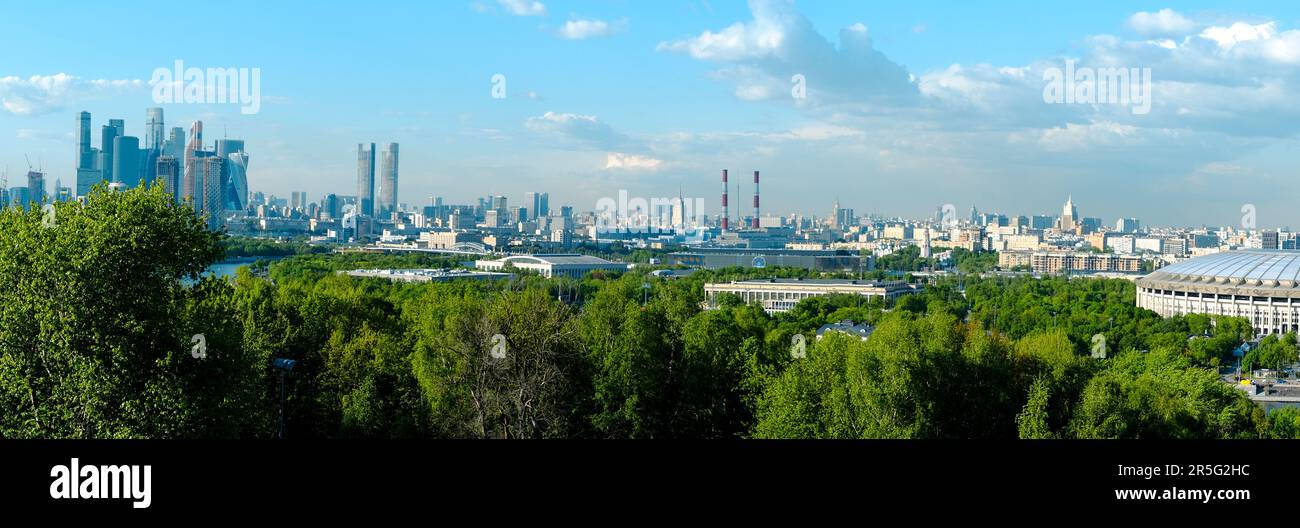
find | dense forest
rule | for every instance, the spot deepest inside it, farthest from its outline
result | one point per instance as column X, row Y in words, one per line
column 99, row 315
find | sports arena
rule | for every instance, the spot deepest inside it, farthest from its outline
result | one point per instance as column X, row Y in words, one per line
column 1262, row 286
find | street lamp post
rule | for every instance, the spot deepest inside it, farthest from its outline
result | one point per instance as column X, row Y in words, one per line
column 283, row 367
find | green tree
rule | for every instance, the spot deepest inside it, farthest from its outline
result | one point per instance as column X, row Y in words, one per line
column 96, row 324
column 1162, row 395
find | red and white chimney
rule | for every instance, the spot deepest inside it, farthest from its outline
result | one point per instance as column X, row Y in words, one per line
column 726, row 213
column 754, row 222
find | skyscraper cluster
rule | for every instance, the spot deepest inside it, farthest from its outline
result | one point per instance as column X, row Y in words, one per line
column 386, row 204
column 214, row 180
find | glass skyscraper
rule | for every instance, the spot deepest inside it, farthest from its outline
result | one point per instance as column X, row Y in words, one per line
column 366, row 179
column 388, row 181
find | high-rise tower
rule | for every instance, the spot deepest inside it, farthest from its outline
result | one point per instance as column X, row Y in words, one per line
column 366, row 179
column 85, row 152
column 168, row 173
column 87, row 174
column 36, row 187
column 234, row 196
column 153, row 132
column 1069, row 216
column 126, row 160
column 192, row 181
column 388, row 181
column 107, row 134
column 215, row 182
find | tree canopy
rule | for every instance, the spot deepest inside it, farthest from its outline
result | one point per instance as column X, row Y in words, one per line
column 99, row 313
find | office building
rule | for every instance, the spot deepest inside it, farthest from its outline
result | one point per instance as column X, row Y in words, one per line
column 20, row 196
column 331, row 207
column 366, row 179
column 153, row 129
column 174, row 145
column 192, row 179
column 1127, row 225
column 36, row 187
column 235, row 195
column 215, row 182
column 816, row 260
column 553, row 265
column 427, row 275
column 168, row 173
column 106, row 151
column 1176, row 247
column 781, row 295
column 85, row 152
column 126, row 160
column 1270, row 240
column 388, row 181
column 1042, row 222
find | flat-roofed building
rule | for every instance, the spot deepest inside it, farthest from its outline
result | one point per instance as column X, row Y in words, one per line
column 553, row 265
column 449, row 239
column 816, row 260
column 780, row 295
column 427, row 275
column 1009, row 260
column 1072, row 262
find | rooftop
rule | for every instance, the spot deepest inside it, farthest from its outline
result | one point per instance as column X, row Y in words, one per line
column 1259, row 267
column 561, row 259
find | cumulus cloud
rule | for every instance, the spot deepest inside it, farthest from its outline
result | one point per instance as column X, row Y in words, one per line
column 762, row 55
column 586, row 130
column 1256, row 41
column 523, row 7
column 581, row 29
column 43, row 94
column 1162, row 23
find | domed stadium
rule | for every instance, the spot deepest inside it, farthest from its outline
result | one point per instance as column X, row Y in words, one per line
column 1262, row 286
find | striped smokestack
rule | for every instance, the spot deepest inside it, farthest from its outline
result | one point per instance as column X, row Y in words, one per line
column 726, row 213
column 754, row 223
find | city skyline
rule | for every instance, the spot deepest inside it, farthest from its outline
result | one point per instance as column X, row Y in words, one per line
column 893, row 103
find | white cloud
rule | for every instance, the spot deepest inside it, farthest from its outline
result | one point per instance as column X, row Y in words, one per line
column 523, row 7
column 1162, row 23
column 1075, row 136
column 1255, row 41
column 621, row 161
column 763, row 54
column 1227, row 37
column 585, row 129
column 580, row 29
column 43, row 94
column 819, row 132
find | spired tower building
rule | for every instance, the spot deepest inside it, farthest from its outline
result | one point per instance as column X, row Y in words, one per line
column 1069, row 217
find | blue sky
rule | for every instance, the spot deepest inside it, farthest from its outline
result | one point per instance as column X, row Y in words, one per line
column 910, row 105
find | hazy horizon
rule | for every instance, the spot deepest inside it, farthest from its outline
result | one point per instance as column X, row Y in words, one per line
column 903, row 108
